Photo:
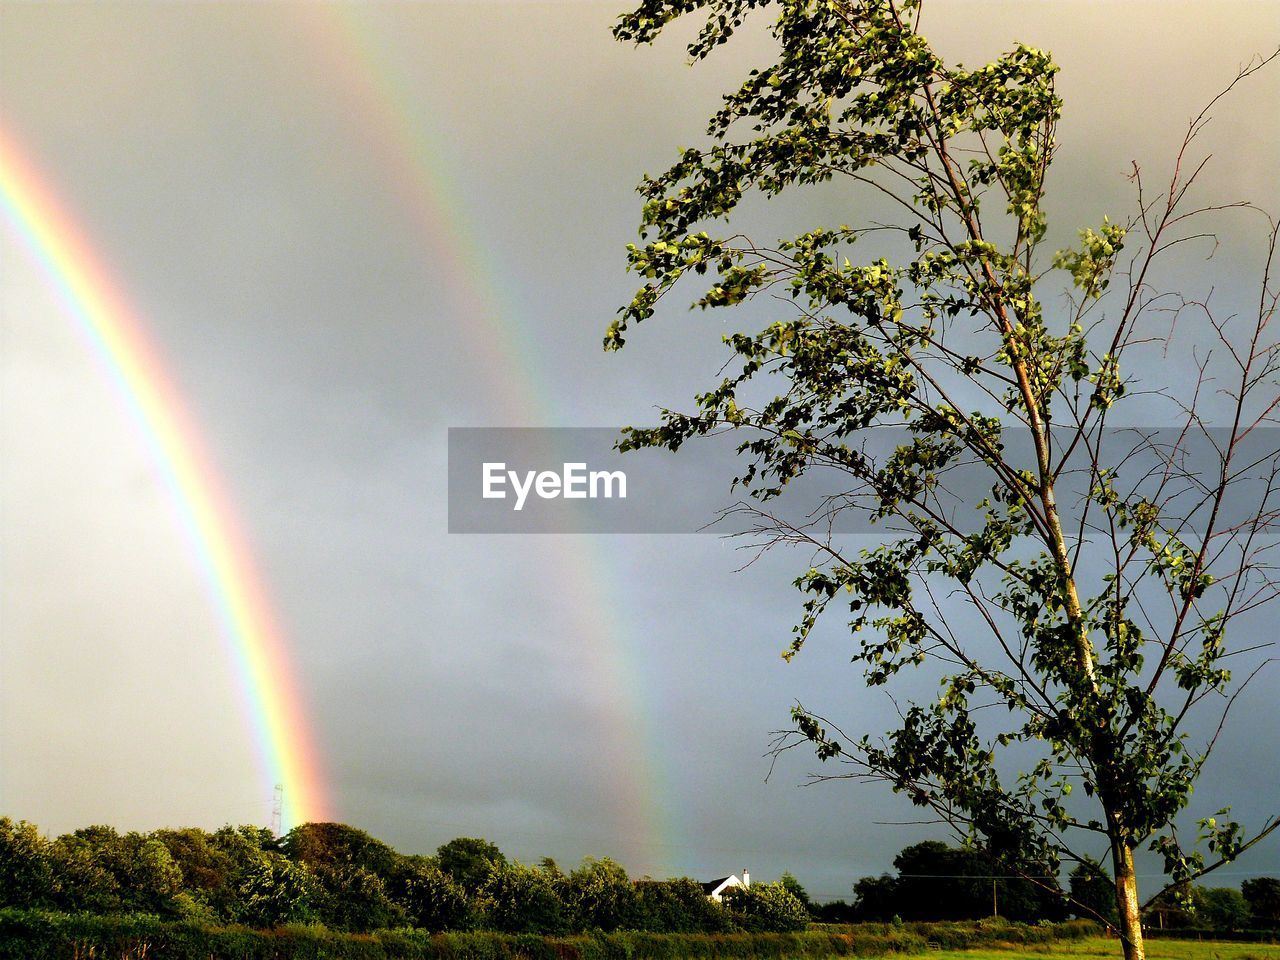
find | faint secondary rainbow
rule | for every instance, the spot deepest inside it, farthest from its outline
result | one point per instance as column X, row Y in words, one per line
column 375, row 95
column 82, row 281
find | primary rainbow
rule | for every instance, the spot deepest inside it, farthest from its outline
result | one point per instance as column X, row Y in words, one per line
column 79, row 275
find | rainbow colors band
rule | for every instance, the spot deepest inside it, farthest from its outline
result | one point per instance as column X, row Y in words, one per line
column 82, row 281
column 379, row 102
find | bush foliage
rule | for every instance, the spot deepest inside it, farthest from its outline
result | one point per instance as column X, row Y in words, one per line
column 41, row 935
column 343, row 880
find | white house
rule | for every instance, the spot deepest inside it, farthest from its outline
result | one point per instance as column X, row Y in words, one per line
column 715, row 888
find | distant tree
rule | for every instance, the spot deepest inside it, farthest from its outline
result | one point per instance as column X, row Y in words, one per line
column 1097, row 590
column 337, row 845
column 1263, row 896
column 244, row 845
column 274, row 891
column 939, row 882
column 149, row 878
column 431, row 899
column 252, row 835
column 520, row 899
column 600, row 896
column 146, row 877
column 354, row 899
column 469, row 861
column 83, row 884
column 679, row 906
column 765, row 908
column 353, row 874
column 249, row 851
column 1221, row 908
column 210, row 871
column 789, row 881
column 1175, row 909
column 835, row 911
column 1032, row 895
column 549, row 866
column 876, row 898
column 27, row 875
column 1092, row 892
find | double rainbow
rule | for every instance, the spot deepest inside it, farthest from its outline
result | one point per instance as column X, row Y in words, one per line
column 377, row 99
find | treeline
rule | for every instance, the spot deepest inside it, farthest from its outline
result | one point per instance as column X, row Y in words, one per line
column 344, row 879
column 937, row 882
column 1255, row 906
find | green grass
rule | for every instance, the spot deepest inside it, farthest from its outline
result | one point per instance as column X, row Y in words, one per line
column 1103, row 948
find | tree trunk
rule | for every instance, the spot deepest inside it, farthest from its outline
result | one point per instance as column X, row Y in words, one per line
column 1127, row 902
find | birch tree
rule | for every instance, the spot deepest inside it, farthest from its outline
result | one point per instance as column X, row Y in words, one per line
column 1105, row 617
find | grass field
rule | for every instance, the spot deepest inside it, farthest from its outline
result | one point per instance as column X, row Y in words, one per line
column 1101, row 948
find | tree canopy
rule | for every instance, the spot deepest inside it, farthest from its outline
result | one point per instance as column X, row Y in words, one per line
column 1096, row 590
column 341, row 878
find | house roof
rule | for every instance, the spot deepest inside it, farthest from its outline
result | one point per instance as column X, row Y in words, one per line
column 711, row 886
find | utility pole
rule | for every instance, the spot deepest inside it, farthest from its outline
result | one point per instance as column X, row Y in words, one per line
column 277, row 809
column 995, row 904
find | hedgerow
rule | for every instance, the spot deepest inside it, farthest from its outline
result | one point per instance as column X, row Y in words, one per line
column 43, row 935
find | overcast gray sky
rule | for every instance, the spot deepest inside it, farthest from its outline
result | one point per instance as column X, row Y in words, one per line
column 347, row 229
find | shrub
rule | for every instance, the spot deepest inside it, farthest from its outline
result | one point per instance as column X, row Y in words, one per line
column 27, row 876
column 1222, row 908
column 679, row 906
column 431, row 899
column 354, row 898
column 470, row 861
column 275, row 891
column 766, row 907
column 600, row 896
column 1263, row 896
column 521, row 899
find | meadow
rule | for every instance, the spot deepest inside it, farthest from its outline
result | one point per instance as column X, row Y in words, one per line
column 1105, row 948
column 42, row 935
